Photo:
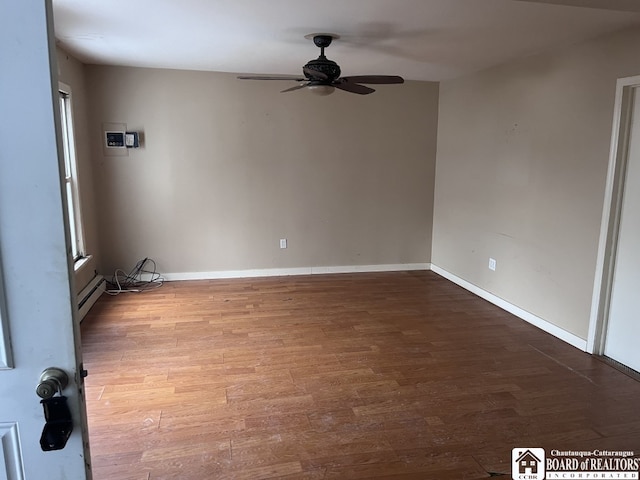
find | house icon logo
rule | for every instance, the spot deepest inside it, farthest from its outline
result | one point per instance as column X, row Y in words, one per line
column 527, row 463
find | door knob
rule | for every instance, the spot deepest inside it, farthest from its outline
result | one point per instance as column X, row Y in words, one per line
column 52, row 381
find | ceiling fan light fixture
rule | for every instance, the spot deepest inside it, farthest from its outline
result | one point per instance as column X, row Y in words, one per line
column 322, row 90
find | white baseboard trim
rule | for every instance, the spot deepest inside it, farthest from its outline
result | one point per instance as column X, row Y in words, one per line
column 541, row 323
column 282, row 272
column 371, row 268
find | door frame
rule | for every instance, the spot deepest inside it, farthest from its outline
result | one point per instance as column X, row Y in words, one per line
column 611, row 214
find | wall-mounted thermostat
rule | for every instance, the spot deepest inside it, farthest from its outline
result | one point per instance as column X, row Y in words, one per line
column 114, row 139
column 122, row 139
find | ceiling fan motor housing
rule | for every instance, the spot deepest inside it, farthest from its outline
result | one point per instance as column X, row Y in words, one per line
column 329, row 69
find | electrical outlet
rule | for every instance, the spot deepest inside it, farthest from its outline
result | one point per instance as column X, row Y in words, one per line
column 492, row 264
column 283, row 243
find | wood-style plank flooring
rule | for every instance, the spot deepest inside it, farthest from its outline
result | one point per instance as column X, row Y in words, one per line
column 382, row 375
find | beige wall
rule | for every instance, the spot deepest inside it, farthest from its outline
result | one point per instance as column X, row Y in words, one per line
column 71, row 72
column 521, row 169
column 229, row 167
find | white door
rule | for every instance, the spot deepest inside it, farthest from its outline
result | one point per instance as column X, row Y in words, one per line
column 36, row 327
column 623, row 329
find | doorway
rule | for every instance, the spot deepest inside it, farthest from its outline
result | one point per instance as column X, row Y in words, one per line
column 614, row 324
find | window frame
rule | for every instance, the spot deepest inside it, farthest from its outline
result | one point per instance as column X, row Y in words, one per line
column 70, row 173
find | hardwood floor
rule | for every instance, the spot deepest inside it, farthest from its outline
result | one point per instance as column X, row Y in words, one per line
column 382, row 375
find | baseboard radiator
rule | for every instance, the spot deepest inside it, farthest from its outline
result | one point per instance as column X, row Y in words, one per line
column 89, row 295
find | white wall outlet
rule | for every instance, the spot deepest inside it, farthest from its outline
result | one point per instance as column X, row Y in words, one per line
column 283, row 243
column 492, row 264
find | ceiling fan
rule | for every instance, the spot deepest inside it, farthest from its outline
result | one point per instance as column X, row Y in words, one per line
column 322, row 76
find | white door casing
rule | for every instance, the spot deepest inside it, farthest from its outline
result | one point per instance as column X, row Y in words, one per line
column 615, row 265
column 623, row 325
column 37, row 328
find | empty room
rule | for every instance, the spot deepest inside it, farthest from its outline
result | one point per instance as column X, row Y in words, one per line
column 298, row 240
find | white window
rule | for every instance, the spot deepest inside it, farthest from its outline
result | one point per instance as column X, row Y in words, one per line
column 71, row 173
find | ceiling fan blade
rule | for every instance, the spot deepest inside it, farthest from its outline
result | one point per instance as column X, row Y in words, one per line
column 376, row 79
column 353, row 88
column 272, row 77
column 297, row 87
column 315, row 74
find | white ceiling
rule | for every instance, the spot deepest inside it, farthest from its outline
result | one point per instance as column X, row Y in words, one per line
column 417, row 39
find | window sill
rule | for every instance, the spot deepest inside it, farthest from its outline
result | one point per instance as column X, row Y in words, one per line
column 81, row 263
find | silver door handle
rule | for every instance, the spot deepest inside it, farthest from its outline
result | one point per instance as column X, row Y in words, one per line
column 53, row 380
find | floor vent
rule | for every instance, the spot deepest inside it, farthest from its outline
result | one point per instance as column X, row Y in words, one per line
column 621, row 367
